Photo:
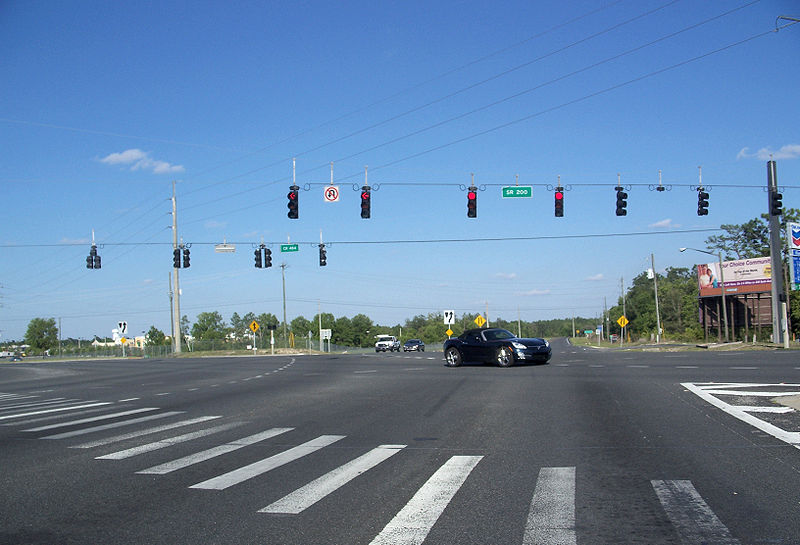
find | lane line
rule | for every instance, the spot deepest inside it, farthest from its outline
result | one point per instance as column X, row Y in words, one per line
column 551, row 519
column 92, row 419
column 308, row 495
column 111, row 426
column 202, row 456
column 692, row 518
column 52, row 401
column 54, row 417
column 267, row 464
column 147, row 431
column 414, row 521
column 149, row 447
column 60, row 409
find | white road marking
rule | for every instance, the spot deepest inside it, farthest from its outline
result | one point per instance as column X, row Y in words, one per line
column 687, row 367
column 744, row 368
column 308, row 495
column 135, row 451
column 129, row 399
column 638, row 366
column 363, row 372
column 267, row 464
column 414, row 521
column 202, row 456
column 793, row 438
column 111, row 426
column 59, row 409
column 39, row 404
column 757, row 409
column 749, row 393
column 148, row 431
column 93, row 419
column 551, row 520
column 692, row 518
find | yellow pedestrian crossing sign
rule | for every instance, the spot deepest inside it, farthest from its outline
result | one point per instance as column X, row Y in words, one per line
column 623, row 321
column 480, row 320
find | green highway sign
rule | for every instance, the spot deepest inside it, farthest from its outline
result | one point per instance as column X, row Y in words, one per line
column 289, row 248
column 524, row 191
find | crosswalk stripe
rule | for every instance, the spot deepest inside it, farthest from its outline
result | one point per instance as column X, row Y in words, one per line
column 198, row 457
column 314, row 491
column 113, row 425
column 147, row 431
column 59, row 409
column 551, row 519
column 249, row 471
column 39, row 403
column 690, row 515
column 54, row 417
column 135, row 451
column 414, row 521
column 92, row 419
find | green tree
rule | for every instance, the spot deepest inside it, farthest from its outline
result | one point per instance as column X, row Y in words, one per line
column 42, row 334
column 362, row 330
column 209, row 326
column 300, row 326
column 155, row 337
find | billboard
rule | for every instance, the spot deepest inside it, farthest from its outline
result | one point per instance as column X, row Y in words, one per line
column 793, row 238
column 742, row 276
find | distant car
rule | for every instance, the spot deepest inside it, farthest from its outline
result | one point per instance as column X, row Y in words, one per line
column 494, row 345
column 14, row 358
column 387, row 343
column 414, row 344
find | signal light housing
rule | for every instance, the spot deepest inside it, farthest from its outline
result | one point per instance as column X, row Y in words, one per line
column 622, row 203
column 472, row 202
column 186, row 258
column 365, row 202
column 775, row 203
column 323, row 258
column 293, row 205
column 93, row 260
column 176, row 258
column 259, row 264
column 267, row 258
column 559, row 202
column 702, row 202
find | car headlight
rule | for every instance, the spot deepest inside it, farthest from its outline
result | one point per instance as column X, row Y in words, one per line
column 547, row 344
column 518, row 346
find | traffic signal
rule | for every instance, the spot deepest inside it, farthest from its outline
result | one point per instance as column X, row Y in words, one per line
column 258, row 251
column 559, row 195
column 775, row 203
column 176, row 258
column 186, row 258
column 702, row 202
column 365, row 202
column 267, row 258
column 472, row 202
column 323, row 259
column 93, row 260
column 622, row 203
column 292, row 205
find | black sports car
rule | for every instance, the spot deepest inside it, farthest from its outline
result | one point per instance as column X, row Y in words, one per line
column 494, row 345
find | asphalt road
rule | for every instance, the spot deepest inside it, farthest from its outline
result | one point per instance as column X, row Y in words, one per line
column 594, row 448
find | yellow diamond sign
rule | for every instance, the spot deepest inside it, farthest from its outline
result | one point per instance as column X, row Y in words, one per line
column 254, row 326
column 480, row 320
column 449, row 332
column 623, row 321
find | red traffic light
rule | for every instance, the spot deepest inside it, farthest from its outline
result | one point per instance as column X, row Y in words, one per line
column 559, row 195
column 471, row 195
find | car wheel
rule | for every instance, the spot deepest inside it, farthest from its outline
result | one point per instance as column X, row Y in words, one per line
column 452, row 357
column 422, row 349
column 504, row 357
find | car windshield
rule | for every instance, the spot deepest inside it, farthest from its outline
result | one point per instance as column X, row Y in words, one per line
column 498, row 334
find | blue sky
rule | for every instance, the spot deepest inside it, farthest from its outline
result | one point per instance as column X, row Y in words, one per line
column 103, row 105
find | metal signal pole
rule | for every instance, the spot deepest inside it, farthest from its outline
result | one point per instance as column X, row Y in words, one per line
column 176, row 290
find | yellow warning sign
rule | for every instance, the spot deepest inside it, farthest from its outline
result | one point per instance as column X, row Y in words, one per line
column 623, row 321
column 480, row 320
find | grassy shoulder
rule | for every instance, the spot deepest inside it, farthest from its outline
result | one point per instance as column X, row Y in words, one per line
column 676, row 346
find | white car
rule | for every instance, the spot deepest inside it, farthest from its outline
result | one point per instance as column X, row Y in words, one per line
column 387, row 343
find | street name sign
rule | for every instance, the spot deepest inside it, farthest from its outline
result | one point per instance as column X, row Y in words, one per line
column 523, row 191
column 289, row 248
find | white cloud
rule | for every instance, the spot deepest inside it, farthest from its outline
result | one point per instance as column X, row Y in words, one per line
column 790, row 151
column 535, row 292
column 664, row 224
column 213, row 224
column 508, row 276
column 595, row 278
column 140, row 160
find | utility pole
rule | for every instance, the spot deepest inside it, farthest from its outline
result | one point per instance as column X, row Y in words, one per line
column 779, row 323
column 176, row 290
column 655, row 287
column 171, row 321
column 622, row 329
column 283, row 278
